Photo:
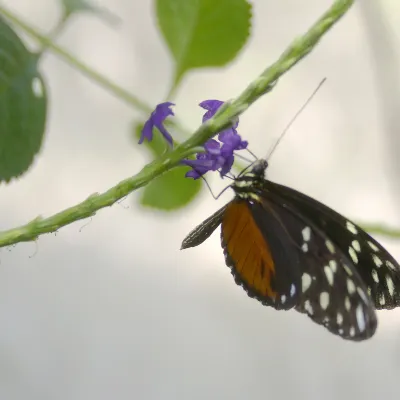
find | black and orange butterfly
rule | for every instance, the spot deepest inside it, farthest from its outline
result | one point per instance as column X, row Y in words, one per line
column 288, row 250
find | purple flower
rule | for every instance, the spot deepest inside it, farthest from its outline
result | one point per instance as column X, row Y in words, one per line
column 212, row 106
column 210, row 160
column 231, row 141
column 218, row 155
column 200, row 166
column 156, row 119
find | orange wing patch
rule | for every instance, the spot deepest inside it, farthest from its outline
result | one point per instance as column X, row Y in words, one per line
column 247, row 252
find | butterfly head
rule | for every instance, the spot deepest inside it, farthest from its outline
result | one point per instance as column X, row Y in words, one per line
column 245, row 185
column 259, row 168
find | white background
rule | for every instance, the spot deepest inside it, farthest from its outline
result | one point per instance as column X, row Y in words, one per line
column 113, row 309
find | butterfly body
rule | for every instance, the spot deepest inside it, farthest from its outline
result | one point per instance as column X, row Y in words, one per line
column 288, row 250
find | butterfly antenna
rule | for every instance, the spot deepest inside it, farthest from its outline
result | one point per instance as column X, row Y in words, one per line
column 295, row 117
column 243, row 158
column 249, row 151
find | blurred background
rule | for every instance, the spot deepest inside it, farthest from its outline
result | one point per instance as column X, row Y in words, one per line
column 110, row 307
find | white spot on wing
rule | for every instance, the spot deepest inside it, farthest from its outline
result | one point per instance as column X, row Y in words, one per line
column 352, row 331
column 351, row 287
column 328, row 274
column 347, row 303
column 339, row 318
column 391, row 265
column 390, row 285
column 292, row 290
column 373, row 246
column 329, row 245
column 382, row 300
column 378, row 262
column 304, row 247
column 360, row 318
column 305, row 282
column 353, row 255
column 351, row 228
column 306, row 232
column 333, row 265
column 375, row 276
column 308, row 307
column 324, row 300
column 356, row 245
column 348, row 270
column 283, row 299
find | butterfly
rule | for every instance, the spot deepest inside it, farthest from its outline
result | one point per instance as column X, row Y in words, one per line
column 289, row 251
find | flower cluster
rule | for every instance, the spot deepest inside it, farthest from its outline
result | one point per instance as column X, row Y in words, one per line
column 218, row 154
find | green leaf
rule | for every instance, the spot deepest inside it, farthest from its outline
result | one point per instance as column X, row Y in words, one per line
column 203, row 33
column 76, row 6
column 23, row 104
column 171, row 190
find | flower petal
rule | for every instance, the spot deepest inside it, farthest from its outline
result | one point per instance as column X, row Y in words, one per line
column 157, row 117
column 193, row 174
column 147, row 131
column 162, row 111
column 165, row 133
column 211, row 106
column 228, row 135
column 212, row 147
column 200, row 166
column 231, row 141
column 227, row 165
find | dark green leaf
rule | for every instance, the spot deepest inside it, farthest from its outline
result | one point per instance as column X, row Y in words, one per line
column 171, row 190
column 203, row 33
column 23, row 104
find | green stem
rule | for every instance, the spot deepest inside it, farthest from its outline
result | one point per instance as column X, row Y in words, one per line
column 80, row 65
column 52, row 36
column 261, row 85
column 94, row 202
column 103, row 81
column 380, row 229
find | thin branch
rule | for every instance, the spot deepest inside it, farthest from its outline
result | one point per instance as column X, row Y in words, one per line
column 261, row 85
column 85, row 69
column 103, row 81
column 381, row 229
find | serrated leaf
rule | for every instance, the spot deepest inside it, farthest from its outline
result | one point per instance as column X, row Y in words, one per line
column 203, row 33
column 76, row 6
column 23, row 105
column 171, row 190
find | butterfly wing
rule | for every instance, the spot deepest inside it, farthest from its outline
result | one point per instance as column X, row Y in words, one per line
column 203, row 231
column 260, row 255
column 377, row 268
column 332, row 293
